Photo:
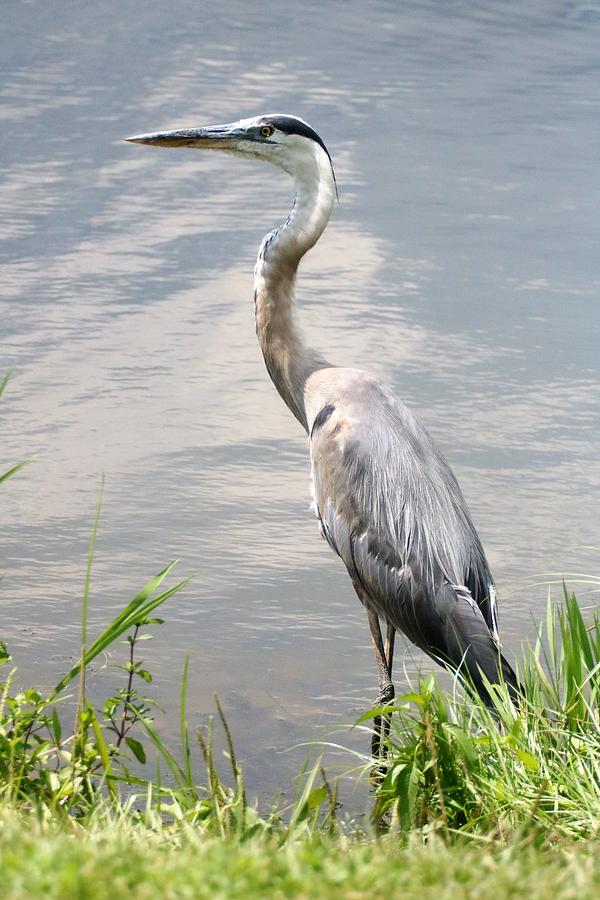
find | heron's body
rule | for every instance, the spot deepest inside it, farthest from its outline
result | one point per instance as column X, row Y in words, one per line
column 386, row 500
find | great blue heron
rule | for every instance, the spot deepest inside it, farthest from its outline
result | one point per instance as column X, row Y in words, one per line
column 386, row 500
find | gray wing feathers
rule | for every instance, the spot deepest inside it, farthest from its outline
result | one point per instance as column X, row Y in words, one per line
column 470, row 643
column 391, row 508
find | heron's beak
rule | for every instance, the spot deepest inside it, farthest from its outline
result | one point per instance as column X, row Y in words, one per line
column 213, row 137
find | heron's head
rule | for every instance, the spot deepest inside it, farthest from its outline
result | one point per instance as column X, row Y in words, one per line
column 285, row 141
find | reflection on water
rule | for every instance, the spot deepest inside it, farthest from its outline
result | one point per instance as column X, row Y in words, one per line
column 461, row 266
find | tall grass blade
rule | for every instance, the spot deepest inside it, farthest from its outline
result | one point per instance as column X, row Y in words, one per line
column 6, row 475
column 5, row 381
column 86, row 603
column 137, row 610
column 174, row 768
column 183, row 725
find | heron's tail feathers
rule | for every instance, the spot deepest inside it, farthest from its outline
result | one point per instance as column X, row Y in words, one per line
column 470, row 649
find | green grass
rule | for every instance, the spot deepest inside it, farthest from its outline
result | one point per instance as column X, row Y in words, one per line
column 119, row 860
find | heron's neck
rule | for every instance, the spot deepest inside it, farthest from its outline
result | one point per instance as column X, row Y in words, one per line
column 289, row 360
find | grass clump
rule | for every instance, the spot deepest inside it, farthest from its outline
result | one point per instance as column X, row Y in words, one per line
column 455, row 765
column 43, row 762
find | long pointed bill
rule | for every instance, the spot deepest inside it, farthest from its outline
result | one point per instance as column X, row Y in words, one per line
column 217, row 137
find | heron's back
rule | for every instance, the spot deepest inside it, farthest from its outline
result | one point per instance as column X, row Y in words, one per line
column 391, row 507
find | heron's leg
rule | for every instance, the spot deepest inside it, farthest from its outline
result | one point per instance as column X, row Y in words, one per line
column 381, row 724
column 389, row 658
column 389, row 648
column 383, row 670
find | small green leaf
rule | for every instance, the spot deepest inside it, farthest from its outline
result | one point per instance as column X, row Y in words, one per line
column 4, row 654
column 137, row 749
column 56, row 726
column 527, row 759
column 378, row 711
column 316, row 797
column 419, row 699
column 143, row 673
column 407, row 785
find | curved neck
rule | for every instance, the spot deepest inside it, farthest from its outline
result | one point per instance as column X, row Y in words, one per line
column 289, row 361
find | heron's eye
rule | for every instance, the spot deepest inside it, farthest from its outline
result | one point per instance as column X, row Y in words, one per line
column 266, row 131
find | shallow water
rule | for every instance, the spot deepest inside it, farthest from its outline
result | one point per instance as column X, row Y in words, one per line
column 461, row 266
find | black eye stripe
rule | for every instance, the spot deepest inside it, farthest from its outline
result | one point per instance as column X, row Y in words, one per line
column 290, row 125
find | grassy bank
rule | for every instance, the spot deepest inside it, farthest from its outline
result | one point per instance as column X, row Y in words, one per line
column 121, row 861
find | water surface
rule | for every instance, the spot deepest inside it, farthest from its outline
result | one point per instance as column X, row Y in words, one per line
column 461, row 266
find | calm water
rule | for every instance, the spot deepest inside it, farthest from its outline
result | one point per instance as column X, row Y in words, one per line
column 462, row 266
